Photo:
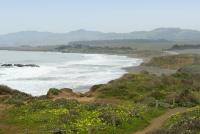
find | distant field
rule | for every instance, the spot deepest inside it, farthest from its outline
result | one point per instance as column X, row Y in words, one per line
column 135, row 44
column 186, row 49
column 189, row 51
column 174, row 61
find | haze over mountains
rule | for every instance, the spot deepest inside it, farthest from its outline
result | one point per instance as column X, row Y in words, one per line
column 34, row 38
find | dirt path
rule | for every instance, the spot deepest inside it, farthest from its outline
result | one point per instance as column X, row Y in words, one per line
column 69, row 94
column 158, row 122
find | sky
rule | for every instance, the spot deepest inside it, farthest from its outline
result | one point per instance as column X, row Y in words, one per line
column 99, row 15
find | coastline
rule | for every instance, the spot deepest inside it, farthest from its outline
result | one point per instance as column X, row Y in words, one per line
column 145, row 56
column 88, row 90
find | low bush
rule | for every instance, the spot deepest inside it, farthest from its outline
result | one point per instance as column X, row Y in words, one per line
column 186, row 123
column 53, row 91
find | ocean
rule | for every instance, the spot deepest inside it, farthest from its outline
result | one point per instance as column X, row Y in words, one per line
column 60, row 70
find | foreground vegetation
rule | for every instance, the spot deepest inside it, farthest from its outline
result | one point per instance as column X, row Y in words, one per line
column 187, row 123
column 180, row 89
column 44, row 115
column 72, row 117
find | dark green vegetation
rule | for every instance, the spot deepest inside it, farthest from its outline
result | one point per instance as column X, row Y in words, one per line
column 94, row 49
column 174, row 61
column 183, row 47
column 136, row 44
column 121, row 106
column 122, row 46
column 43, row 115
column 73, row 117
column 186, row 123
column 191, row 69
column 186, row 49
column 53, row 91
column 10, row 96
column 180, row 89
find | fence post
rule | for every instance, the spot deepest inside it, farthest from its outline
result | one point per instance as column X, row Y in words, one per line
column 114, row 124
column 157, row 103
column 89, row 130
column 174, row 101
column 26, row 131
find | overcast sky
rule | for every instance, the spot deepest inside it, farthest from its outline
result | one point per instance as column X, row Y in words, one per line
column 100, row 15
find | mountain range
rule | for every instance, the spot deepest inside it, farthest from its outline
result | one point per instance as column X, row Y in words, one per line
column 35, row 38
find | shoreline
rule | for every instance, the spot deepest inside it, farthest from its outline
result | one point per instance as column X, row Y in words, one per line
column 89, row 89
column 130, row 69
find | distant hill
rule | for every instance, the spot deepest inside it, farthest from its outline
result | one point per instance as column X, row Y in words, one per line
column 35, row 38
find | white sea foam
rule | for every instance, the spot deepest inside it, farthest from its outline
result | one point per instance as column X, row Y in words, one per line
column 59, row 70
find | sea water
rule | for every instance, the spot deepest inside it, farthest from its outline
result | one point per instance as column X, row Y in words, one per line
column 60, row 70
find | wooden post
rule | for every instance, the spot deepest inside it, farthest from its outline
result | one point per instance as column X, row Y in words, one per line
column 114, row 124
column 174, row 101
column 90, row 130
column 26, row 131
column 157, row 104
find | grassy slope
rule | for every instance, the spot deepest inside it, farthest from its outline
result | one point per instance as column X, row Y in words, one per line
column 75, row 117
column 147, row 88
column 174, row 61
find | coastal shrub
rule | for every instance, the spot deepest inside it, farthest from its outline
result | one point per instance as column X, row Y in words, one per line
column 69, row 117
column 3, row 99
column 173, row 61
column 10, row 96
column 115, row 91
column 49, row 104
column 157, row 95
column 110, row 118
column 65, row 103
column 93, row 106
column 138, row 87
column 53, row 91
column 1, row 131
column 186, row 98
column 150, row 101
column 74, row 117
column 15, row 100
column 185, row 123
column 95, row 87
column 5, row 90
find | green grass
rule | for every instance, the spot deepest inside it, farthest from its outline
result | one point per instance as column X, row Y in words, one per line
column 174, row 61
column 75, row 117
column 140, row 123
column 187, row 123
column 147, row 88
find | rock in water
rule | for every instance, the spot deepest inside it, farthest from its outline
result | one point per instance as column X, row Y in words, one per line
column 19, row 65
column 7, row 65
column 31, row 65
